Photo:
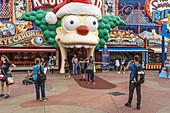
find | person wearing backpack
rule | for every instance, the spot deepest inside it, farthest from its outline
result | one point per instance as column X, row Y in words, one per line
column 136, row 69
column 37, row 71
column 66, row 67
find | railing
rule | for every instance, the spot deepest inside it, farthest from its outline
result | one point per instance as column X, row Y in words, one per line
column 153, row 66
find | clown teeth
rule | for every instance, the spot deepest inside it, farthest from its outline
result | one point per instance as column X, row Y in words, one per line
column 67, row 46
column 86, row 46
column 71, row 46
column 78, row 46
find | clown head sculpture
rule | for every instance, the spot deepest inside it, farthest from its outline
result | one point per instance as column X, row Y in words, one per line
column 74, row 24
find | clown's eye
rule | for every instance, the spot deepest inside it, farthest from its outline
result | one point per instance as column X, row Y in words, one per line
column 38, row 40
column 71, row 22
column 92, row 23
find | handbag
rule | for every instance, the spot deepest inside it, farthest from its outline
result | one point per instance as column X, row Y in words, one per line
column 10, row 80
column 2, row 77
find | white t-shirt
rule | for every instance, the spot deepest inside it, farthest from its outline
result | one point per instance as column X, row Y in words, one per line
column 117, row 63
column 123, row 61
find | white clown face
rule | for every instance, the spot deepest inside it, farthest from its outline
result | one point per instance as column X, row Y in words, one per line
column 78, row 31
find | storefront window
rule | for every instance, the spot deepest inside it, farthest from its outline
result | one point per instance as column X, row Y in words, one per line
column 155, row 58
column 27, row 58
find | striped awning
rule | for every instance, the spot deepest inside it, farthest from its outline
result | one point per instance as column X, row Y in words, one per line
column 27, row 50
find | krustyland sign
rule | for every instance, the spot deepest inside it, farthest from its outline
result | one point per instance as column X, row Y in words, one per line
column 52, row 3
column 20, row 37
column 157, row 10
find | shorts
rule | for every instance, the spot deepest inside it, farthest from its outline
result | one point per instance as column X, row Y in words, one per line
column 123, row 65
column 66, row 70
column 167, row 67
column 4, row 80
column 82, row 71
column 117, row 65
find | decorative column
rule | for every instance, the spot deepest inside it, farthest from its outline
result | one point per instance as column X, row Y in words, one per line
column 57, row 58
column 138, row 17
column 145, row 47
column 143, row 59
column 147, row 57
column 163, row 50
column 4, row 8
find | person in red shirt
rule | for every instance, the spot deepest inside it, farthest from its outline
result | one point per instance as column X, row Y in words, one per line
column 74, row 64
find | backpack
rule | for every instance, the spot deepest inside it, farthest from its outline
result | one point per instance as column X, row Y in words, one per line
column 139, row 75
column 41, row 77
column 67, row 65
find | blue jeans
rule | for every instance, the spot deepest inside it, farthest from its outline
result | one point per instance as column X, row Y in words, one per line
column 90, row 73
column 74, row 68
column 37, row 87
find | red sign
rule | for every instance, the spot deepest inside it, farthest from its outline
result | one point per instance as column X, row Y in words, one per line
column 157, row 10
column 52, row 3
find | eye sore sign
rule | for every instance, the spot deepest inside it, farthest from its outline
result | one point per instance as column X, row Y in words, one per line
column 157, row 10
column 20, row 37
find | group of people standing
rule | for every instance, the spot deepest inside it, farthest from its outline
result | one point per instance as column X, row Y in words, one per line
column 122, row 64
column 4, row 69
column 85, row 65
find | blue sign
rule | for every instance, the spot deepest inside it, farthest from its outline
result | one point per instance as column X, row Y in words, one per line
column 105, row 59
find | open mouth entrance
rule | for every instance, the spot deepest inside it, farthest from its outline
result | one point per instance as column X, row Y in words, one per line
column 79, row 52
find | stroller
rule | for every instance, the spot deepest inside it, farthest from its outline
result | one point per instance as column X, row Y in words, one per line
column 29, row 79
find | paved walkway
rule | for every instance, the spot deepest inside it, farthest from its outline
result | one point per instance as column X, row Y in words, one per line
column 66, row 96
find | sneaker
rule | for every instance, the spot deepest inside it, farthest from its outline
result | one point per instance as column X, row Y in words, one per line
column 69, row 77
column 44, row 99
column 80, row 79
column 37, row 100
column 124, row 72
column 94, row 83
column 118, row 72
column 65, row 79
column 128, row 104
column 88, row 82
column 138, row 107
column 84, row 79
column 1, row 95
column 7, row 96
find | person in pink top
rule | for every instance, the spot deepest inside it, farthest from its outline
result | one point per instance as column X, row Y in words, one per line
column 74, row 64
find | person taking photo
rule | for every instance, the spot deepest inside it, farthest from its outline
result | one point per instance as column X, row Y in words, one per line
column 133, row 85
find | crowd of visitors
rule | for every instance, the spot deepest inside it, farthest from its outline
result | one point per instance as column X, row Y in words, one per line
column 86, row 71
